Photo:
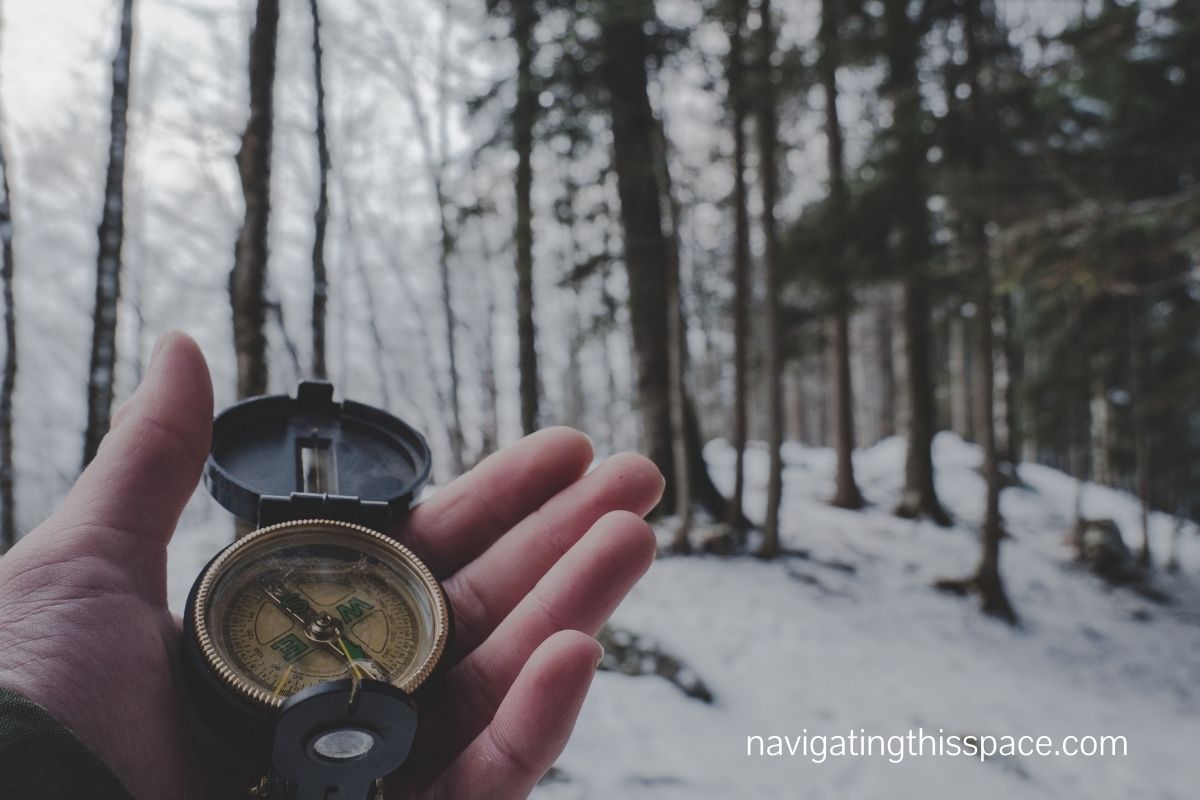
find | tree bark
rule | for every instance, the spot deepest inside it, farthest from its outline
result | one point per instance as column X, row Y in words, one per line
column 247, row 280
column 768, row 139
column 1101, row 432
column 884, row 330
column 8, row 383
column 676, row 345
column 647, row 257
column 111, row 232
column 962, row 407
column 987, row 580
column 991, row 587
column 1010, row 443
column 320, row 298
column 524, row 116
column 741, row 256
column 1141, row 438
column 912, row 251
column 457, row 444
column 846, row 493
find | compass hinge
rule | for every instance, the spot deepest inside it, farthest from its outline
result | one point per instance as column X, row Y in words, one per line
column 273, row 509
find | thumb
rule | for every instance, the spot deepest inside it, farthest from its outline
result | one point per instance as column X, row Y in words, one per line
column 125, row 505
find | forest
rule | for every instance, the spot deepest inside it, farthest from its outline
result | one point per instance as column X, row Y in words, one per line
column 832, row 222
column 834, row 265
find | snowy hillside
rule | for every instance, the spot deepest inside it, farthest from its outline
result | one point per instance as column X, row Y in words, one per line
column 808, row 644
column 850, row 636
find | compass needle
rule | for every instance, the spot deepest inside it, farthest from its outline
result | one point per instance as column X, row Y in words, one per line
column 349, row 658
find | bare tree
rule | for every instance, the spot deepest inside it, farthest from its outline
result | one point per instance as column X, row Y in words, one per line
column 524, row 116
column 846, row 493
column 768, row 143
column 111, row 233
column 986, row 580
column 1138, row 400
column 637, row 161
column 433, row 140
column 902, row 43
column 247, row 280
column 741, row 252
column 8, row 384
column 320, row 298
column 676, row 356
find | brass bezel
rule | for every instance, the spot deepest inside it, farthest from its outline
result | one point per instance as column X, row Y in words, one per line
column 256, row 694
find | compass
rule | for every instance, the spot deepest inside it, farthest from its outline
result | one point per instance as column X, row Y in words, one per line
column 313, row 635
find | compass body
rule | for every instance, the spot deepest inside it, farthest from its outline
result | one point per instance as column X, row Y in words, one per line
column 310, row 638
column 301, row 603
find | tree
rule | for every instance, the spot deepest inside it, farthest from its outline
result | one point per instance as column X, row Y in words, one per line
column 111, row 233
column 768, row 145
column 636, row 160
column 1105, row 271
column 247, row 280
column 979, row 32
column 523, row 119
column 738, row 95
column 846, row 493
column 320, row 296
column 904, row 162
column 8, row 383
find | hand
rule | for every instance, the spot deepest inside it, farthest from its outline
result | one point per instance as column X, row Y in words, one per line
column 534, row 556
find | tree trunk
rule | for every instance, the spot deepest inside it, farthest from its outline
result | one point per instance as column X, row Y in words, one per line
column 987, row 581
column 1010, row 443
column 524, row 115
column 103, row 362
column 1101, row 432
column 647, row 257
column 320, row 298
column 912, row 251
column 962, row 416
column 247, row 280
column 768, row 141
column 991, row 587
column 741, row 257
column 885, row 340
column 624, row 72
column 447, row 248
column 846, row 493
column 675, row 351
column 8, row 384
column 1141, row 439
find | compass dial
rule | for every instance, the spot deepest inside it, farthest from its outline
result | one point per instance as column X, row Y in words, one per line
column 301, row 603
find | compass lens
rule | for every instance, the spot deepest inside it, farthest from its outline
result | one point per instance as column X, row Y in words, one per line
column 345, row 744
column 300, row 604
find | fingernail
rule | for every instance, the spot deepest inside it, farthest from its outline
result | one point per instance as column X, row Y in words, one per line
column 600, row 654
column 158, row 346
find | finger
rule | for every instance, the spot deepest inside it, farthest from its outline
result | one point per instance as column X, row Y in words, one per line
column 486, row 590
column 125, row 505
column 579, row 593
column 531, row 726
column 462, row 520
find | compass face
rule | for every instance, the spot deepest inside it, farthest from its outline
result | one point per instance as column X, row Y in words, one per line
column 301, row 603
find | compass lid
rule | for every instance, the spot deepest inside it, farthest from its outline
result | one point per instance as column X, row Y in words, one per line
column 278, row 458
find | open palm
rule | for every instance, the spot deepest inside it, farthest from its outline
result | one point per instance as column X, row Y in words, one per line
column 533, row 553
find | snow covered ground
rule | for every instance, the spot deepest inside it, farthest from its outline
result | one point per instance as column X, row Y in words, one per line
column 852, row 637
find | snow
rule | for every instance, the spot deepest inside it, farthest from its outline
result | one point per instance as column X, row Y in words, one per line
column 851, row 636
column 806, row 644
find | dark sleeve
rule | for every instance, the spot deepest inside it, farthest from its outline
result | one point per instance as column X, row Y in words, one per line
column 41, row 760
